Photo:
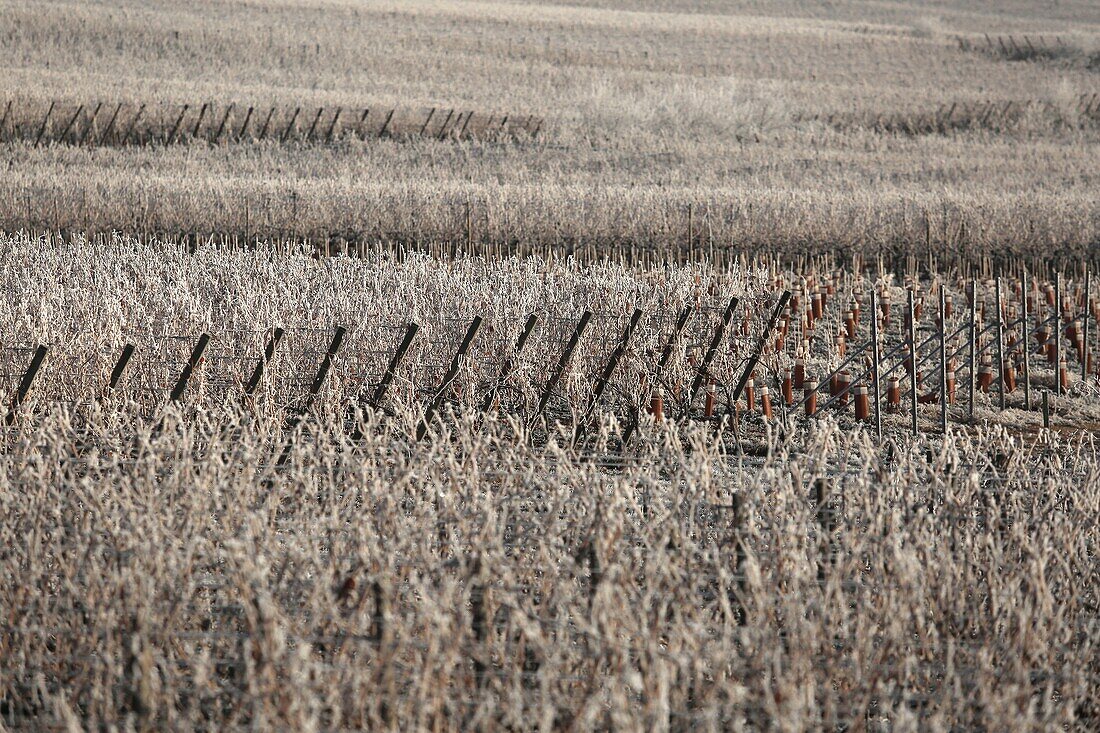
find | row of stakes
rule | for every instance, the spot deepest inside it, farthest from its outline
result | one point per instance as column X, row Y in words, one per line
column 841, row 390
column 1070, row 319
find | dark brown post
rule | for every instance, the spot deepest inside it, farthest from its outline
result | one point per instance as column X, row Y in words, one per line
column 198, row 122
column 386, row 124
column 72, row 121
column 225, row 120
column 91, row 123
column 608, row 370
column 175, row 128
column 189, row 368
column 424, row 127
column 395, row 362
column 290, row 125
column 332, row 125
column 326, row 364
column 563, row 362
column 712, row 351
column 45, row 120
column 313, row 125
column 452, row 372
column 267, row 121
column 443, row 127
column 755, row 359
column 269, row 352
column 244, row 126
column 509, row 361
column 25, row 384
column 666, row 355
column 120, row 367
column 110, row 124
column 126, row 137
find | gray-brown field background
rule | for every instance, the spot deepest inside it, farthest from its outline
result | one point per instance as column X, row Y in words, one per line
column 790, row 126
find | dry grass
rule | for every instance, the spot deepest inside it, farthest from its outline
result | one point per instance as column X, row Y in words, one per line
column 647, row 109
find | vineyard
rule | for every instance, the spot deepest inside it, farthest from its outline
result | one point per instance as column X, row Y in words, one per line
column 439, row 365
column 103, row 124
column 290, row 492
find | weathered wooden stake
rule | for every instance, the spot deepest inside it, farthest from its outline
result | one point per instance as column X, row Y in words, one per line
column 120, row 367
column 875, row 363
column 25, row 383
column 326, row 364
column 1057, row 332
column 1085, row 326
column 973, row 343
column 605, row 375
column 1000, row 346
column 45, row 120
column 563, row 362
column 1026, row 337
column 943, row 360
column 712, row 351
column 912, row 363
column 189, row 368
column 506, row 368
column 261, row 365
column 452, row 372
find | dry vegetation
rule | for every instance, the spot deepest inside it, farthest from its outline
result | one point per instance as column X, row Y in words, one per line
column 341, row 561
column 649, row 109
column 162, row 568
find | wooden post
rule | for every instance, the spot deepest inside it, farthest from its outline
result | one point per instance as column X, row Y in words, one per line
column 133, row 123
column 224, row 122
column 443, row 127
column 175, row 128
column 943, row 360
column 290, row 125
column 711, row 352
column 875, row 363
column 4, row 119
column 189, row 368
column 110, row 124
column 326, row 364
column 784, row 298
column 506, row 368
column 25, row 384
column 313, row 125
column 1026, row 337
column 386, row 124
column 332, row 125
column 973, row 342
column 1085, row 327
column 45, row 120
column 1046, row 408
column 424, row 127
column 120, row 367
column 1057, row 331
column 1000, row 346
column 267, row 121
column 912, row 363
column 244, row 126
column 391, row 370
column 198, row 122
column 269, row 352
column 72, row 121
column 666, row 355
column 563, row 362
column 456, row 363
column 605, row 375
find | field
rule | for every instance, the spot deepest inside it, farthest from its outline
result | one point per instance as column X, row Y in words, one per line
column 762, row 118
column 439, row 365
